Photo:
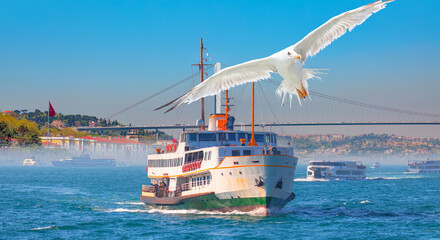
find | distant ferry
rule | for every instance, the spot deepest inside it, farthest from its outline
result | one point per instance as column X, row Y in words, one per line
column 32, row 161
column 338, row 170
column 85, row 161
column 376, row 165
column 428, row 166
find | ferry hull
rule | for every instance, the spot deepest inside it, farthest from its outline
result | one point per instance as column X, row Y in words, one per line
column 210, row 202
column 244, row 183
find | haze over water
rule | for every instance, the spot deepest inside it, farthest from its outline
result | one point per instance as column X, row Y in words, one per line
column 47, row 202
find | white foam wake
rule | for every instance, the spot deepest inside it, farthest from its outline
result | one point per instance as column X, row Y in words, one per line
column 43, row 228
column 310, row 180
column 256, row 212
column 130, row 203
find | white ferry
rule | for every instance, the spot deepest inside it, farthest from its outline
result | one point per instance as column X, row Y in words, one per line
column 428, row 166
column 32, row 161
column 338, row 170
column 218, row 170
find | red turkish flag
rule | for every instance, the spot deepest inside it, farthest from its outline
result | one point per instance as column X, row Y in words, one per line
column 51, row 111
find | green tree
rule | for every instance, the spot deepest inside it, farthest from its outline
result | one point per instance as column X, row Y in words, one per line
column 5, row 134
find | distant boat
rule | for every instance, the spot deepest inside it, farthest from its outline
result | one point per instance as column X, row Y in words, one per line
column 376, row 165
column 85, row 161
column 428, row 166
column 32, row 161
column 338, row 170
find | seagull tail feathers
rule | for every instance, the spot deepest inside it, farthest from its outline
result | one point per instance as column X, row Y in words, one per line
column 300, row 89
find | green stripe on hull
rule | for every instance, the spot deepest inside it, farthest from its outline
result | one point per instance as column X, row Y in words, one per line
column 211, row 202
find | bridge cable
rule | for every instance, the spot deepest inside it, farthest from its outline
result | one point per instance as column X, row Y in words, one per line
column 154, row 95
column 367, row 105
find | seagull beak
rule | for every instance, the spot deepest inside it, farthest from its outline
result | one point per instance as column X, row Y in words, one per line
column 298, row 57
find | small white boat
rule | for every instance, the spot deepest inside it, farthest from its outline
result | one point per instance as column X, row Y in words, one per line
column 338, row 170
column 376, row 165
column 32, row 161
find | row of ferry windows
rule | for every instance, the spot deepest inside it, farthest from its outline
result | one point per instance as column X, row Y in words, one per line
column 175, row 162
column 327, row 163
column 197, row 156
column 200, row 181
column 209, row 137
column 166, row 162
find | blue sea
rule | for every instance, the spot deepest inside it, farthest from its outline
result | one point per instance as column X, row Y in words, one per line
column 69, row 203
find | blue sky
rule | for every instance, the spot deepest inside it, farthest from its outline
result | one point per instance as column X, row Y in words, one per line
column 97, row 57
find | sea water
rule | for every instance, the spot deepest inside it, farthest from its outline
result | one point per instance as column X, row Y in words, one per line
column 103, row 203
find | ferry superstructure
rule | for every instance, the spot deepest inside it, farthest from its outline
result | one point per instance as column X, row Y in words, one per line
column 337, row 170
column 217, row 170
column 428, row 166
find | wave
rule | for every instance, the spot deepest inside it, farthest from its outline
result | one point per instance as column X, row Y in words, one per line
column 310, row 180
column 130, row 203
column 45, row 228
column 395, row 178
column 256, row 212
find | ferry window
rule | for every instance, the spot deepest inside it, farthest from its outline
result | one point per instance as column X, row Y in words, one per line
column 208, row 179
column 222, row 136
column 191, row 137
column 267, row 138
column 209, row 156
column 189, row 157
column 193, row 182
column 198, row 181
column 246, row 152
column 206, row 137
column 235, row 152
column 204, row 180
column 356, row 173
column 342, row 172
column 242, row 135
column 205, row 157
column 259, row 137
column 274, row 138
column 232, row 137
column 200, row 156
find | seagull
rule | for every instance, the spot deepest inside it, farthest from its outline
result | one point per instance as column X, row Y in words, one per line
column 288, row 62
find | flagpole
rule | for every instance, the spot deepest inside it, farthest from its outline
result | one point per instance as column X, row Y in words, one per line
column 48, row 113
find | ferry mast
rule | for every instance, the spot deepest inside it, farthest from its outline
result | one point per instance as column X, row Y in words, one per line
column 202, row 100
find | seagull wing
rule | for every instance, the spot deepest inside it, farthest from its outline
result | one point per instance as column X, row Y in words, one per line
column 250, row 71
column 334, row 28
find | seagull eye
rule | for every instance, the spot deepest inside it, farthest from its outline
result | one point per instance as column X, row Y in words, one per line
column 288, row 53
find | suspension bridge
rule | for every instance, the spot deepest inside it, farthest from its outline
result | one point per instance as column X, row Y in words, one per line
column 319, row 107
